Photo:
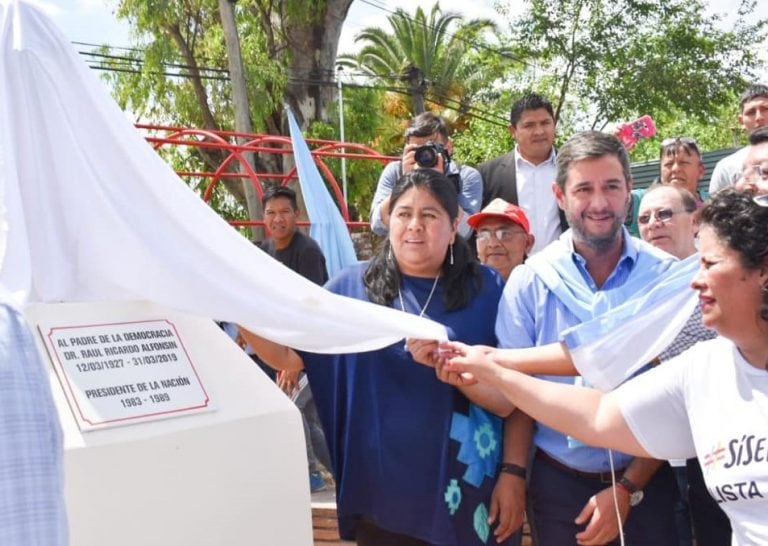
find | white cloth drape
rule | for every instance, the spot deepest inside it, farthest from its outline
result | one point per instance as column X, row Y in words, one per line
column 608, row 349
column 93, row 213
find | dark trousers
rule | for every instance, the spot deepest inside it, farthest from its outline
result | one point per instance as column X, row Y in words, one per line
column 682, row 511
column 557, row 496
column 711, row 526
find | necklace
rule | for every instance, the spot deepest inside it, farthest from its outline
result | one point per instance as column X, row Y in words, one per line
column 423, row 309
column 429, row 298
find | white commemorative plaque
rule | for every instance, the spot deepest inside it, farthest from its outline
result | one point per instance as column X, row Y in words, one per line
column 124, row 372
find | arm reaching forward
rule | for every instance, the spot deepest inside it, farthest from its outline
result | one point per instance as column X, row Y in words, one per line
column 277, row 356
column 581, row 412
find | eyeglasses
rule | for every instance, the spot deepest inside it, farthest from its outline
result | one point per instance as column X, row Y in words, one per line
column 502, row 234
column 752, row 174
column 679, row 139
column 684, row 141
column 662, row 215
column 669, row 146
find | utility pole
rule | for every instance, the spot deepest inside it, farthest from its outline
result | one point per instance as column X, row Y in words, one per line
column 339, row 70
column 417, row 86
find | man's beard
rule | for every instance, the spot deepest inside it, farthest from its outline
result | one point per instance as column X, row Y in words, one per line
column 599, row 244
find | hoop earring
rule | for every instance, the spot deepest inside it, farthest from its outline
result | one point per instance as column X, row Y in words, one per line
column 451, row 258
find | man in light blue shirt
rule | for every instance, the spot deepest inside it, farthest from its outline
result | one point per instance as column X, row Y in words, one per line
column 424, row 129
column 593, row 267
column 31, row 457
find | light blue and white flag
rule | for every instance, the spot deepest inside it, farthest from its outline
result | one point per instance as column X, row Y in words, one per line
column 327, row 226
column 608, row 349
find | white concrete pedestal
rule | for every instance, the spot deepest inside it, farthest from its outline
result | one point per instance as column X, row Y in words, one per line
column 235, row 475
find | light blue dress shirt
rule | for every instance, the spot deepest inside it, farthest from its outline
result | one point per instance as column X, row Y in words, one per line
column 531, row 314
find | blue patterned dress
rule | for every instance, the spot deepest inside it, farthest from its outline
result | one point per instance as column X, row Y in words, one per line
column 410, row 453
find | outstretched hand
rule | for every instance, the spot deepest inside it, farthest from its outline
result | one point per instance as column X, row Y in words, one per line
column 428, row 353
column 423, row 351
column 470, row 361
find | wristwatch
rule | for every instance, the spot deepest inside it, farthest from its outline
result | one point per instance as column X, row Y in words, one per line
column 514, row 469
column 635, row 493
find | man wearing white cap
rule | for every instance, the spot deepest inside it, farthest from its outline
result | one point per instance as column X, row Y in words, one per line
column 503, row 236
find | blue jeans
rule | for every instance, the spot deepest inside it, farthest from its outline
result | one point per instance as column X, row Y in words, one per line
column 317, row 448
column 556, row 497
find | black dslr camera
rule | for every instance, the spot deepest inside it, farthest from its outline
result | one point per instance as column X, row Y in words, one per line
column 426, row 155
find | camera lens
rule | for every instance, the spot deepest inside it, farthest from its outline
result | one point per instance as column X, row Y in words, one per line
column 425, row 156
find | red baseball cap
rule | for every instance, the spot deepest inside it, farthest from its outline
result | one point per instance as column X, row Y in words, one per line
column 498, row 208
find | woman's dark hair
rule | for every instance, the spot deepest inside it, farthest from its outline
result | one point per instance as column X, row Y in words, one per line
column 382, row 277
column 741, row 224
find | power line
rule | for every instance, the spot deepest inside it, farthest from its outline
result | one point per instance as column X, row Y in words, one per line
column 133, row 60
column 132, row 65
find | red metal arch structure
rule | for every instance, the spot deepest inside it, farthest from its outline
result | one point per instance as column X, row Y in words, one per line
column 168, row 137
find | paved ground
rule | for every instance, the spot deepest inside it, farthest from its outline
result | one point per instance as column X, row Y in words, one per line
column 325, row 498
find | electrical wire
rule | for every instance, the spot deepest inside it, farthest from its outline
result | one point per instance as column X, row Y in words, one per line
column 133, row 66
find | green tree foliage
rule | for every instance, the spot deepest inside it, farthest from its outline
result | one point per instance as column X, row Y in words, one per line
column 481, row 141
column 428, row 52
column 719, row 130
column 182, row 76
column 364, row 123
column 178, row 73
column 613, row 61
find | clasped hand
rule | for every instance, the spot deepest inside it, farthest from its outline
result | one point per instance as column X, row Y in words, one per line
column 454, row 362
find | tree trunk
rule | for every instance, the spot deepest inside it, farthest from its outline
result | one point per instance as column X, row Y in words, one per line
column 313, row 39
column 242, row 110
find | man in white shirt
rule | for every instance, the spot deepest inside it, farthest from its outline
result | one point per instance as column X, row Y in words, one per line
column 754, row 176
column 525, row 175
column 753, row 106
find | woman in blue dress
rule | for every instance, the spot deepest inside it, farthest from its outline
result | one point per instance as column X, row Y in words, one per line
column 414, row 458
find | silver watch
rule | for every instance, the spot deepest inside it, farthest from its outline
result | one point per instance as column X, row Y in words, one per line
column 635, row 493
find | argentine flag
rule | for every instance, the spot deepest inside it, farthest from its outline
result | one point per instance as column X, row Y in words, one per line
column 608, row 349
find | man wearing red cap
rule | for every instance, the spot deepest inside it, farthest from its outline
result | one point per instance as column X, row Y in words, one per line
column 503, row 236
column 503, row 240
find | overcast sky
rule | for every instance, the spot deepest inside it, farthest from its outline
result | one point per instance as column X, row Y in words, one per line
column 93, row 20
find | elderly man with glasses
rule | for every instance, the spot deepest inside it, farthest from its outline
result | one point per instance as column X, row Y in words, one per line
column 503, row 240
column 503, row 236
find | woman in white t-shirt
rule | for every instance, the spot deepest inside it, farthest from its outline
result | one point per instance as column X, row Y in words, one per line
column 711, row 401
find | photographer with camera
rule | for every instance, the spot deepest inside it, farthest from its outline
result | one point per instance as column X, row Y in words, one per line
column 427, row 146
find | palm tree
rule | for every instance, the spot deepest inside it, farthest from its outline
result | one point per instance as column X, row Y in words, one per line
column 428, row 54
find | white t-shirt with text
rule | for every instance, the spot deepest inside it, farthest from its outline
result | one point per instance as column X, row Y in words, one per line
column 711, row 403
